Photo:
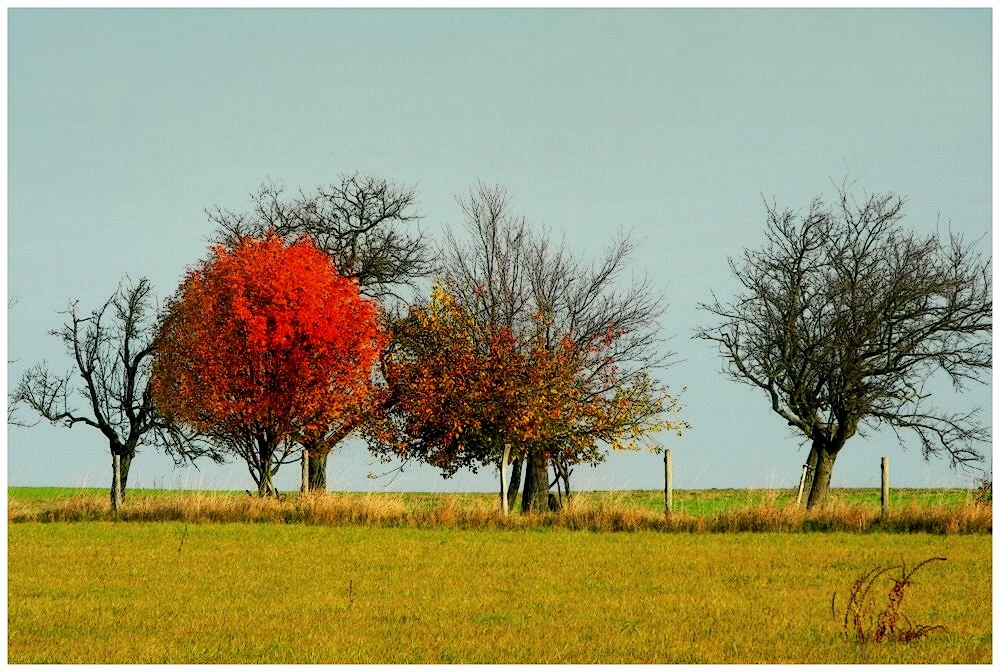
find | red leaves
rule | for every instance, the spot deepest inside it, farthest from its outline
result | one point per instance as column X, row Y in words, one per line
column 265, row 335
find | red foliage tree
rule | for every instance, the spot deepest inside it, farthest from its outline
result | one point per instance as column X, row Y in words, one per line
column 264, row 344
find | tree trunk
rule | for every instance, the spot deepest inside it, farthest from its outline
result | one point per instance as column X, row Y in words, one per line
column 116, row 482
column 119, row 478
column 504, row 502
column 317, row 471
column 821, row 457
column 563, row 472
column 536, row 483
column 266, row 487
column 515, row 483
column 265, row 453
column 264, row 468
column 304, row 481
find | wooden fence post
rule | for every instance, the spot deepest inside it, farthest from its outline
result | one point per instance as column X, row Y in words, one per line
column 503, row 479
column 885, row 486
column 668, row 482
column 802, row 483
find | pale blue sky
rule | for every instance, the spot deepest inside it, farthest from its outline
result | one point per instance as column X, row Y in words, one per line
column 123, row 125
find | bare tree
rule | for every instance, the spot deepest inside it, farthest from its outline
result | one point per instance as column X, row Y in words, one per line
column 367, row 225
column 843, row 319
column 111, row 348
column 508, row 275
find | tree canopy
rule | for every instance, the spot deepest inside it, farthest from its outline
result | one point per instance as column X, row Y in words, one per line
column 461, row 393
column 365, row 224
column 521, row 344
column 264, row 343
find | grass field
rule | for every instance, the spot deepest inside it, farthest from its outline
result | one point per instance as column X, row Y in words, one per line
column 694, row 502
column 277, row 593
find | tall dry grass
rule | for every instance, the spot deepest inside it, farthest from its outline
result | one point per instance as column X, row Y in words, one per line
column 603, row 514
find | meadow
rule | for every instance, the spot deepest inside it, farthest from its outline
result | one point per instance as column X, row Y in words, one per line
column 417, row 578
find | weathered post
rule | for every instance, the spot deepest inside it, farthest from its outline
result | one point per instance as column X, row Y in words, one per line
column 503, row 479
column 802, row 483
column 668, row 482
column 885, row 486
column 305, row 471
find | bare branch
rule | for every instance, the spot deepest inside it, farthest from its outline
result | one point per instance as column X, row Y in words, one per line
column 365, row 224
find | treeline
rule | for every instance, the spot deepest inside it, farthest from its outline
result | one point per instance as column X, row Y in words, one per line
column 319, row 316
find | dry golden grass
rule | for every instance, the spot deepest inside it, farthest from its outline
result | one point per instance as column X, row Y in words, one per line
column 604, row 513
column 177, row 592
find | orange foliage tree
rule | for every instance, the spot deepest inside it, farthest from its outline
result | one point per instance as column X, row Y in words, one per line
column 524, row 343
column 468, row 393
column 459, row 392
column 263, row 345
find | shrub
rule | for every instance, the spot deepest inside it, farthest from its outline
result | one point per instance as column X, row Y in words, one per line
column 890, row 624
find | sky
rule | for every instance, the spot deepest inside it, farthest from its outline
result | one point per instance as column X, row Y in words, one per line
column 672, row 125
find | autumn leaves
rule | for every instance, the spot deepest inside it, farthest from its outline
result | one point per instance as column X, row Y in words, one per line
column 268, row 348
column 264, row 344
